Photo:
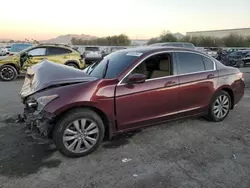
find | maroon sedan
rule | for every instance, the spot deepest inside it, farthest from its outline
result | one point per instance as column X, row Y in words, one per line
column 128, row 89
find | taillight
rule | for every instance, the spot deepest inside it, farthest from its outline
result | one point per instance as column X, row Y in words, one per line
column 11, row 54
column 240, row 76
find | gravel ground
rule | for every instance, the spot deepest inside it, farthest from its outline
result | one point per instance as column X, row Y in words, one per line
column 186, row 153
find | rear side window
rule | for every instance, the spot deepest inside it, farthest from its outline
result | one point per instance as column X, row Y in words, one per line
column 189, row 62
column 57, row 51
column 209, row 64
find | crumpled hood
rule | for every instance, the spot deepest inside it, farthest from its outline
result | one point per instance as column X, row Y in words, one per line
column 46, row 74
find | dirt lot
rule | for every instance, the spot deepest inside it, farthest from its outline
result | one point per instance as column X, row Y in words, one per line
column 186, row 153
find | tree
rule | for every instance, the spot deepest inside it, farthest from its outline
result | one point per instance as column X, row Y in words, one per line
column 168, row 37
column 234, row 40
column 153, row 41
column 120, row 40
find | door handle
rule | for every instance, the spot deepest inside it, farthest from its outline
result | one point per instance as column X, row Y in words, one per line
column 210, row 76
column 170, row 83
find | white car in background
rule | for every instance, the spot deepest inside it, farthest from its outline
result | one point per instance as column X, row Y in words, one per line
column 92, row 54
column 210, row 53
column 5, row 50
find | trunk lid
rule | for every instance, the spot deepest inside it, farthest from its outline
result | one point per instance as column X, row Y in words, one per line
column 48, row 74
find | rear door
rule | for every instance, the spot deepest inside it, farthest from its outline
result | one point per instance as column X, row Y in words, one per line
column 198, row 79
column 58, row 54
column 150, row 102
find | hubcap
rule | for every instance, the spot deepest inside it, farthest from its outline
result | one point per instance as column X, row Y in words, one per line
column 221, row 106
column 81, row 135
column 7, row 73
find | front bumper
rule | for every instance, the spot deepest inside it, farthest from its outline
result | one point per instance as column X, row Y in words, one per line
column 38, row 122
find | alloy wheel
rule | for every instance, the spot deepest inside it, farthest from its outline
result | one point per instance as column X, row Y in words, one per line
column 7, row 73
column 81, row 135
column 221, row 106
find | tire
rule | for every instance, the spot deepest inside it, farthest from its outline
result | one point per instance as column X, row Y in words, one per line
column 215, row 107
column 240, row 64
column 66, row 128
column 72, row 65
column 8, row 73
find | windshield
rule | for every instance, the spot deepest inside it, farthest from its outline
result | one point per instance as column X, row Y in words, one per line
column 115, row 64
column 19, row 47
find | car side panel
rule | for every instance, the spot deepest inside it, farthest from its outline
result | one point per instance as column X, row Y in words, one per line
column 61, row 58
column 196, row 90
column 98, row 94
column 229, row 79
column 146, row 103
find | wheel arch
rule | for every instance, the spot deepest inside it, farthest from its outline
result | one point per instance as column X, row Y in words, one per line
column 73, row 62
column 103, row 116
column 13, row 65
column 230, row 92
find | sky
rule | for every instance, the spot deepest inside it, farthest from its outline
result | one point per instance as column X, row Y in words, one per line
column 139, row 19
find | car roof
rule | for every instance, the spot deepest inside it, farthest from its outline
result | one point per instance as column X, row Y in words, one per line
column 152, row 49
column 162, row 43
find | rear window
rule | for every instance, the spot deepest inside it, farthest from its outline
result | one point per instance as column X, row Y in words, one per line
column 92, row 49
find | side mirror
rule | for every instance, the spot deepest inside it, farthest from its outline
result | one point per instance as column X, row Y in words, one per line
column 136, row 78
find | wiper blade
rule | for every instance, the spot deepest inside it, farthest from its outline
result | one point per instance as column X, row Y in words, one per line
column 105, row 69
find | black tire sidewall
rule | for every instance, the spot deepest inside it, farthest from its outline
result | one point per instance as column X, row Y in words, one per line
column 11, row 67
column 72, row 65
column 211, row 111
column 241, row 64
column 69, row 118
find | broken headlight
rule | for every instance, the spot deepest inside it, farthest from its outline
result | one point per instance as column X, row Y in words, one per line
column 41, row 102
column 44, row 100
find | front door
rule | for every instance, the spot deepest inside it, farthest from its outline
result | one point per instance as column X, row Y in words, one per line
column 35, row 55
column 198, row 79
column 149, row 102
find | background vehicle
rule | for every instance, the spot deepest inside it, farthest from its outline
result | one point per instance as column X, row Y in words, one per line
column 175, row 44
column 210, row 52
column 237, row 58
column 18, row 47
column 78, row 109
column 109, row 50
column 5, row 50
column 92, row 54
column 11, row 66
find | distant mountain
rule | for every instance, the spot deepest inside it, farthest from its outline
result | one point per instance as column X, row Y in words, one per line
column 3, row 40
column 66, row 39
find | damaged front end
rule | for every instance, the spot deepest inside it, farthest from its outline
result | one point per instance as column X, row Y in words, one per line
column 39, row 123
column 39, row 79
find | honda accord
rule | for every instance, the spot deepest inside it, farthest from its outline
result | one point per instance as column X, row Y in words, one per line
column 126, row 90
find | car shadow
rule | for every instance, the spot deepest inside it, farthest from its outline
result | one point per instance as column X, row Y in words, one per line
column 120, row 140
column 21, row 155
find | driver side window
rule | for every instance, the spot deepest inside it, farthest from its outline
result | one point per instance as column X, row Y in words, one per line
column 37, row 52
column 156, row 66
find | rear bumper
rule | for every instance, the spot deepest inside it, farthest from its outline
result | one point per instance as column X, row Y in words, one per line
column 239, row 89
